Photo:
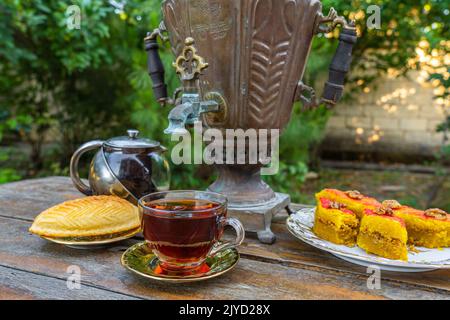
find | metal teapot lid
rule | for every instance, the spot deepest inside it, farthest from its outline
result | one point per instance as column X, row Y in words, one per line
column 132, row 142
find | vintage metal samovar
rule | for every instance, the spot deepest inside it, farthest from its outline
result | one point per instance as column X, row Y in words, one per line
column 241, row 63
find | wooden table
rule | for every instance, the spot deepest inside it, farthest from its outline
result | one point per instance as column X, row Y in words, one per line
column 32, row 268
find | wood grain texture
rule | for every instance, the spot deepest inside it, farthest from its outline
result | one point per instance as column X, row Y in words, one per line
column 250, row 280
column 287, row 270
column 20, row 285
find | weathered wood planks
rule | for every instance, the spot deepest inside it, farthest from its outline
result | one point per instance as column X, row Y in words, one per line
column 17, row 284
column 287, row 270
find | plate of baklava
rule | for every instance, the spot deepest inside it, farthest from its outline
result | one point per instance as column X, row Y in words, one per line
column 88, row 222
column 372, row 233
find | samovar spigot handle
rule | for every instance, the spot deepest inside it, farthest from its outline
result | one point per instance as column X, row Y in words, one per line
column 189, row 66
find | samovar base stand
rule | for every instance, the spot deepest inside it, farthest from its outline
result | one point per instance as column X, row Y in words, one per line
column 258, row 218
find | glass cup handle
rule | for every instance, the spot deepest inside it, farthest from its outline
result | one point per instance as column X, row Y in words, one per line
column 240, row 236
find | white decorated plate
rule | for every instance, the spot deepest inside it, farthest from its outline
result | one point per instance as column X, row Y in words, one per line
column 301, row 223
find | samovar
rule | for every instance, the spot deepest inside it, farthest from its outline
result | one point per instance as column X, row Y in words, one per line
column 241, row 63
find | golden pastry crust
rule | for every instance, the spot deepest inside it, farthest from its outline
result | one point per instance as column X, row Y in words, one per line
column 87, row 217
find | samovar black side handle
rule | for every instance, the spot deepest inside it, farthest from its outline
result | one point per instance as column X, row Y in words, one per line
column 339, row 67
column 156, row 69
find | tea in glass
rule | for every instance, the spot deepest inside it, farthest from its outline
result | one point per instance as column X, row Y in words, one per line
column 182, row 227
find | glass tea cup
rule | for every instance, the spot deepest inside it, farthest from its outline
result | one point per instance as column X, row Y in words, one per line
column 183, row 228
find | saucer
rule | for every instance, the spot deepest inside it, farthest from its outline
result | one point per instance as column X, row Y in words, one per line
column 141, row 260
column 93, row 244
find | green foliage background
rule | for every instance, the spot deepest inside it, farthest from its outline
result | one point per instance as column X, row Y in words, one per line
column 60, row 87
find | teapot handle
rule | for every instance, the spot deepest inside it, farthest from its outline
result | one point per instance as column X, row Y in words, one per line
column 74, row 173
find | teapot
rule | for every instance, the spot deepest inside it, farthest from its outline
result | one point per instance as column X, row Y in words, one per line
column 129, row 167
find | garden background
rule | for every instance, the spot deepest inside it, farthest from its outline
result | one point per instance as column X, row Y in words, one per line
column 60, row 88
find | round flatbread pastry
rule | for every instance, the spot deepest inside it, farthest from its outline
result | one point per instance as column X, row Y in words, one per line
column 90, row 217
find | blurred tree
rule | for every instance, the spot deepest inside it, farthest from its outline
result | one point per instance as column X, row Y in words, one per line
column 69, row 85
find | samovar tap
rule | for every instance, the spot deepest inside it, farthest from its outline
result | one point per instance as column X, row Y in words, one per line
column 189, row 66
